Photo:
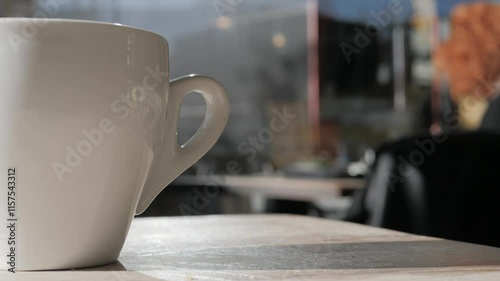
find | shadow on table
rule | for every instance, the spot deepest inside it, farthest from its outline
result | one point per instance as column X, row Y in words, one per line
column 116, row 271
column 116, row 266
column 112, row 272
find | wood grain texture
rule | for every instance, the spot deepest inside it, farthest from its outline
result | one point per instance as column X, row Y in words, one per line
column 281, row 247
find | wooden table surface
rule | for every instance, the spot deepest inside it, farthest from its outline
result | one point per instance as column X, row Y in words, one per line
column 281, row 247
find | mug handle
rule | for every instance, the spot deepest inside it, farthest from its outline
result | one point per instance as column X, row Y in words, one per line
column 173, row 159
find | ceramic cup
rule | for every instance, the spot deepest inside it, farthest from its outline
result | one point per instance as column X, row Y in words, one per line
column 88, row 125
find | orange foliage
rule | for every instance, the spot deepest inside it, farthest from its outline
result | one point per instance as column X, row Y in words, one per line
column 471, row 56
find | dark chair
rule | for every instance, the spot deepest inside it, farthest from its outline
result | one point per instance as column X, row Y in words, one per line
column 446, row 187
column 491, row 118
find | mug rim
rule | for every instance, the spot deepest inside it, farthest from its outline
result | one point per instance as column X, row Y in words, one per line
column 18, row 20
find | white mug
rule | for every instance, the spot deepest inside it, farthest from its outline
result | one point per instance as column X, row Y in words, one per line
column 88, row 122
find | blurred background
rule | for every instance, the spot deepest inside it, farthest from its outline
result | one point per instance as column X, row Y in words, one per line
column 321, row 92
